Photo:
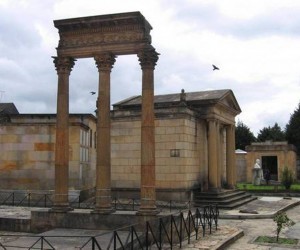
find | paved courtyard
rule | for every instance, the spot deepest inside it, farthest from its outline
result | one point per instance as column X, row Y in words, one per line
column 236, row 230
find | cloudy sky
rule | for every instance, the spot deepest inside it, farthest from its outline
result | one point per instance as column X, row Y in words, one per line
column 256, row 45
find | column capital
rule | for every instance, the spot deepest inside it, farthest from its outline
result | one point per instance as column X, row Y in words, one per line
column 148, row 58
column 212, row 119
column 63, row 64
column 105, row 61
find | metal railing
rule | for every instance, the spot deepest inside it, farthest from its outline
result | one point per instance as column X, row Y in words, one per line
column 32, row 199
column 162, row 233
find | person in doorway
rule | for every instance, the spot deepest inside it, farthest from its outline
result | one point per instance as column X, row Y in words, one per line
column 267, row 176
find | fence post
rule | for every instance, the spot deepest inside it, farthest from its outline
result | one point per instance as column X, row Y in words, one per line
column 42, row 242
column 171, row 231
column 13, row 198
column 131, row 231
column 180, row 229
column 29, row 197
column 147, row 237
column 160, row 231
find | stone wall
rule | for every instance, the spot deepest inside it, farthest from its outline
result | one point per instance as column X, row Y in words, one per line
column 285, row 153
column 241, row 166
column 28, row 150
column 177, row 155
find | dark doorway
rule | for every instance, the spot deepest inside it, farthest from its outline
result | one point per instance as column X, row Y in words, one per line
column 270, row 162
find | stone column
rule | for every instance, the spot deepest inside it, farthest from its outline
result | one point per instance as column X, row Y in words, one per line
column 219, row 155
column 148, row 59
column 63, row 67
column 213, row 155
column 104, row 63
column 230, row 156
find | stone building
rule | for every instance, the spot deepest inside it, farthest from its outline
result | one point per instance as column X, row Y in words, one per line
column 27, row 143
column 194, row 142
column 241, row 165
column 273, row 156
column 187, row 157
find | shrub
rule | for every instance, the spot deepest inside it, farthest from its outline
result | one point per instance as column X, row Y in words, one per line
column 287, row 177
column 282, row 220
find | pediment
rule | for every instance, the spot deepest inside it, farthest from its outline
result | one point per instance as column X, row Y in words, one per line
column 229, row 102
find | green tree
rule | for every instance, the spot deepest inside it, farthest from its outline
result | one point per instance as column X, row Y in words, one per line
column 287, row 178
column 292, row 129
column 274, row 133
column 243, row 136
column 282, row 220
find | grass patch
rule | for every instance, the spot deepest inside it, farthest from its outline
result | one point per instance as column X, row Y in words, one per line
column 251, row 187
column 268, row 239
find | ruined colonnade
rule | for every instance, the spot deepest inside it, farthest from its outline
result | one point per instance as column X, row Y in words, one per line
column 103, row 38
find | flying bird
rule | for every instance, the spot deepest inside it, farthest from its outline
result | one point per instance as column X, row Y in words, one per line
column 215, row 67
column 92, row 92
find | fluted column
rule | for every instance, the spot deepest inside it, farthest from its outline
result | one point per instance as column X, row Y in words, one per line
column 148, row 59
column 104, row 63
column 63, row 67
column 230, row 156
column 213, row 154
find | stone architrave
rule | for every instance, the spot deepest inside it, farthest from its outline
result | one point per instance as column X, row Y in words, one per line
column 63, row 66
column 148, row 59
column 104, row 63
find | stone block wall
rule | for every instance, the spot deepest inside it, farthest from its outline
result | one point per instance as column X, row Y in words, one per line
column 27, row 157
column 179, row 143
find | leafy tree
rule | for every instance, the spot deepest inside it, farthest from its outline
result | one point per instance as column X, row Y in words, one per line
column 274, row 133
column 243, row 136
column 292, row 129
column 287, row 178
column 282, row 220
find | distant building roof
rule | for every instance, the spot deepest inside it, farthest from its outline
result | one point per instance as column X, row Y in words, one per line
column 8, row 108
column 191, row 98
column 239, row 151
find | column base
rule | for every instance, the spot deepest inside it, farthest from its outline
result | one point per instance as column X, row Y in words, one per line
column 147, row 211
column 214, row 189
column 231, row 186
column 61, row 209
column 103, row 211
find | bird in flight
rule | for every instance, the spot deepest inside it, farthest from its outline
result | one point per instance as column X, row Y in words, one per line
column 93, row 92
column 215, row 67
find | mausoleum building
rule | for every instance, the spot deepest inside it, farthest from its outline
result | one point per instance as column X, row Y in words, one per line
column 187, row 157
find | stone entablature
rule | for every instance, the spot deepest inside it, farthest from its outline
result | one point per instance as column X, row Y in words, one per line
column 120, row 34
column 271, row 146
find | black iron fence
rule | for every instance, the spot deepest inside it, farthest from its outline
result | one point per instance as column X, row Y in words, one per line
column 32, row 199
column 167, row 232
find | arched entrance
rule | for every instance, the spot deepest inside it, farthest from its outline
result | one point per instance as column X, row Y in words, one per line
column 104, row 38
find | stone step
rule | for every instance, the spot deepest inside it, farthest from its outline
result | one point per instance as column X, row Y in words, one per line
column 224, row 199
column 218, row 196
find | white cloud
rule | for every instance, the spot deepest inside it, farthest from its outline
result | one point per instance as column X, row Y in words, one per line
column 255, row 43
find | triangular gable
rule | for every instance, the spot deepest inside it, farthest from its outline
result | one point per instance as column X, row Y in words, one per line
column 228, row 100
